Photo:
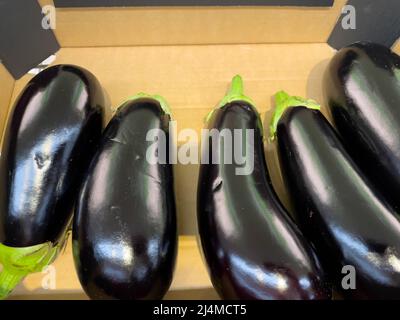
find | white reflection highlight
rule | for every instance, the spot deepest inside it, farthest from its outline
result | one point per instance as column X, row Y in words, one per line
column 100, row 188
column 33, row 172
column 152, row 185
column 305, row 283
column 312, row 166
column 292, row 246
column 30, row 113
column 82, row 97
column 357, row 89
column 250, row 272
column 120, row 252
column 394, row 261
column 378, row 266
column 224, row 218
column 153, row 248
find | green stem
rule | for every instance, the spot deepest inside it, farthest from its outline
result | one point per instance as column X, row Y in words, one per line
column 284, row 101
column 9, row 280
column 236, row 86
column 19, row 262
column 235, row 93
column 280, row 98
column 163, row 103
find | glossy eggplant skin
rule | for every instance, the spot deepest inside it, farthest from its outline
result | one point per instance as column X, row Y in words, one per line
column 252, row 248
column 49, row 140
column 337, row 208
column 362, row 92
column 125, row 235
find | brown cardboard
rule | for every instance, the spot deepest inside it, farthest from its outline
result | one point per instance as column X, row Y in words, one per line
column 83, row 27
column 396, row 47
column 193, row 79
column 46, row 2
column 196, row 77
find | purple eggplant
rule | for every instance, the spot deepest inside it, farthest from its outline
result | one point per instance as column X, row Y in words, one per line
column 354, row 230
column 362, row 92
column 124, row 231
column 50, row 137
column 252, row 247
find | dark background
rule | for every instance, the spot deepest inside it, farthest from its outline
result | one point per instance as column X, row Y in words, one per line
column 24, row 44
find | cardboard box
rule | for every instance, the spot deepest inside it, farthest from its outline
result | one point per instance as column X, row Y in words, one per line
column 187, row 55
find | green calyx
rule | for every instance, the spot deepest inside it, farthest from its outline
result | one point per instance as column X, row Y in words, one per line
column 163, row 103
column 235, row 93
column 19, row 262
column 284, row 101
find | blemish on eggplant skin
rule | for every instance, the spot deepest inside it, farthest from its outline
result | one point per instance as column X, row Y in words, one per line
column 40, row 160
column 116, row 140
column 153, row 178
column 217, row 185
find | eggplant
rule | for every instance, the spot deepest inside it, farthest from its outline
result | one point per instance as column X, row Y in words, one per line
column 362, row 92
column 252, row 247
column 352, row 227
column 124, row 230
column 48, row 142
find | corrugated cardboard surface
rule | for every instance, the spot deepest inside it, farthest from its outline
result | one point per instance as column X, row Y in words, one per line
column 83, row 27
column 193, row 79
column 396, row 47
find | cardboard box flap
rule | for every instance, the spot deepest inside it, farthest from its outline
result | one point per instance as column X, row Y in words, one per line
column 88, row 27
column 7, row 87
